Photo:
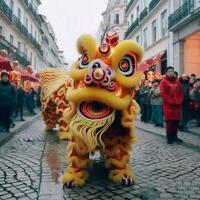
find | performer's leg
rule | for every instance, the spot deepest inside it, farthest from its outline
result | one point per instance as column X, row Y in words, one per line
column 78, row 160
column 117, row 150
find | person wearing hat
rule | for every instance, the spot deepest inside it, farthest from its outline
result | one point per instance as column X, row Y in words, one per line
column 8, row 98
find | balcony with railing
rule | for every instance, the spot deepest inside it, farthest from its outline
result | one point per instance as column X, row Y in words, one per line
column 4, row 8
column 32, row 10
column 143, row 14
column 129, row 5
column 132, row 27
column 181, row 13
column 153, row 4
column 14, row 52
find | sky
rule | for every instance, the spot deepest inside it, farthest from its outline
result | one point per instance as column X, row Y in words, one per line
column 70, row 19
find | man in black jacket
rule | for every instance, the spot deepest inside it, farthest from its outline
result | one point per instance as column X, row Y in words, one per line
column 7, row 101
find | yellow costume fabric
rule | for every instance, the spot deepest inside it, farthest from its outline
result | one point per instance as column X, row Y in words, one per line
column 94, row 106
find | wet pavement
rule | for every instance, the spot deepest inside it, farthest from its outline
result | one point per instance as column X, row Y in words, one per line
column 32, row 164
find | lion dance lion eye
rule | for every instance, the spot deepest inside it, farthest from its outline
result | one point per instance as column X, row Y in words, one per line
column 127, row 65
column 83, row 61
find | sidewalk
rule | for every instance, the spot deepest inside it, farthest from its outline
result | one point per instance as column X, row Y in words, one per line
column 148, row 127
column 19, row 126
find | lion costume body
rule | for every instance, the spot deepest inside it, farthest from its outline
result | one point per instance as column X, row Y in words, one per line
column 93, row 104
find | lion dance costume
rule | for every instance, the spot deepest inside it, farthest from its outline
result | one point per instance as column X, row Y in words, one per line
column 93, row 105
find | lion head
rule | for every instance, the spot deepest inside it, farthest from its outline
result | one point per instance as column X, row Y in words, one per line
column 103, row 79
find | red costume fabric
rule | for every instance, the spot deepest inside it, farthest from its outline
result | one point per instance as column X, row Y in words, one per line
column 172, row 95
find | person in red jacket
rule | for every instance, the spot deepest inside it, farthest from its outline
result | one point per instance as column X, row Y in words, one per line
column 172, row 94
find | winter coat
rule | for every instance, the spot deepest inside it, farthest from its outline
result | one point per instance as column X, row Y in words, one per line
column 195, row 95
column 186, row 91
column 144, row 95
column 20, row 97
column 172, row 95
column 155, row 97
column 8, row 94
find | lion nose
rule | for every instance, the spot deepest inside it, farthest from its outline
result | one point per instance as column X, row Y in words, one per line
column 98, row 74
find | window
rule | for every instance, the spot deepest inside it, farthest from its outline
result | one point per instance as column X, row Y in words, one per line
column 26, row 51
column 26, row 22
column 31, row 29
column 19, row 46
column 35, row 63
column 35, row 34
column 137, row 38
column 164, row 23
column 11, row 4
column 1, row 30
column 31, row 57
column 19, row 14
column 145, row 37
column 182, row 2
column 131, row 18
column 154, row 31
column 116, row 18
column 11, row 39
column 137, row 11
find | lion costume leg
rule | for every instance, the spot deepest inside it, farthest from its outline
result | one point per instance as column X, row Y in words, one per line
column 64, row 133
column 78, row 160
column 117, row 150
column 49, row 116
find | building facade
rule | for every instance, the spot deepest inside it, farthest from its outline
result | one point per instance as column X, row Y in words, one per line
column 113, row 19
column 184, row 22
column 24, row 33
column 148, row 25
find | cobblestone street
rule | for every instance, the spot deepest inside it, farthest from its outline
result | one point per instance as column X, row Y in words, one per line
column 32, row 163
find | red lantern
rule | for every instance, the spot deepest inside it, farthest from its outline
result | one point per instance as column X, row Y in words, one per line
column 15, row 63
column 3, row 53
column 15, row 77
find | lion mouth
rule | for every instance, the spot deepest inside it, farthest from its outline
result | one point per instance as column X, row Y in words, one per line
column 94, row 110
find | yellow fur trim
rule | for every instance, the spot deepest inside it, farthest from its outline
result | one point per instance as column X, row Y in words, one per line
column 123, row 48
column 80, row 163
column 78, row 178
column 87, row 43
column 98, row 94
column 116, row 175
column 129, row 82
column 117, row 163
column 91, row 131
column 64, row 135
column 79, row 146
column 77, row 74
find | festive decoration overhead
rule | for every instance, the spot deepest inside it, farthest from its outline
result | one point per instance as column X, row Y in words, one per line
column 3, row 53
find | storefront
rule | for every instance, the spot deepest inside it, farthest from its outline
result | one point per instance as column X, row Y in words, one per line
column 192, row 54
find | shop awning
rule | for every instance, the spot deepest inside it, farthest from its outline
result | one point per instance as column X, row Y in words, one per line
column 5, row 65
column 152, row 61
